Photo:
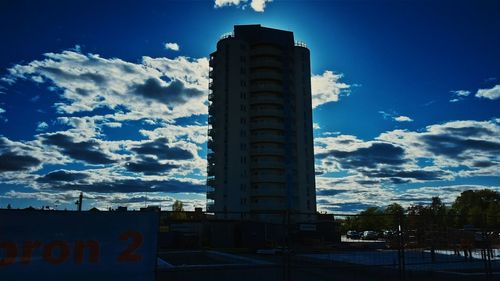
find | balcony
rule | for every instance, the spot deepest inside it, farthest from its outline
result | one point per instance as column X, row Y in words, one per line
column 211, row 97
column 211, row 109
column 268, row 192
column 211, row 194
column 211, row 132
column 267, row 164
column 266, row 63
column 226, row 35
column 267, row 178
column 266, row 75
column 268, row 205
column 267, row 151
column 267, row 125
column 211, row 170
column 266, row 87
column 301, row 44
column 266, row 100
column 211, row 144
column 266, row 112
column 211, row 85
column 211, row 157
column 210, row 207
column 267, row 138
column 211, row 182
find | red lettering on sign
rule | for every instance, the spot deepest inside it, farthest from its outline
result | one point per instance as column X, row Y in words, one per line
column 128, row 255
column 28, row 247
column 10, row 250
column 48, row 252
column 93, row 247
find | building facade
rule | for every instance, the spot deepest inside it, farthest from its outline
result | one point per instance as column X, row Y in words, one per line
column 260, row 148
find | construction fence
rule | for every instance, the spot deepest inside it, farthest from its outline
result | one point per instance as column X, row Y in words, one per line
column 296, row 246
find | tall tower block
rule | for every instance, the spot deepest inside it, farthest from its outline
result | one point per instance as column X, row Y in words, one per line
column 260, row 148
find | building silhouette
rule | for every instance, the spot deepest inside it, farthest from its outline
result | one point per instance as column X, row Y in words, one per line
column 260, row 147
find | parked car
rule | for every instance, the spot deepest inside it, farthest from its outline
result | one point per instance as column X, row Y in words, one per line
column 389, row 234
column 351, row 234
column 369, row 235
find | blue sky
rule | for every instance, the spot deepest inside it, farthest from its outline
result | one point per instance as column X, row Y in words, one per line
column 406, row 98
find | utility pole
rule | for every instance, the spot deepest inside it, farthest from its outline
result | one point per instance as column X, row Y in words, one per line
column 79, row 202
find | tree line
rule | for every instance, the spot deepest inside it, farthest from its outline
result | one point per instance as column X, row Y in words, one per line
column 471, row 209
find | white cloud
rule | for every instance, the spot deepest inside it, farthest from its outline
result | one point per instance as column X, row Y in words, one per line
column 193, row 133
column 492, row 94
column 132, row 92
column 42, row 126
column 447, row 193
column 326, row 88
column 316, row 126
column 467, row 143
column 440, row 152
column 256, row 5
column 395, row 117
column 354, row 193
column 403, row 118
column 459, row 95
column 222, row 3
column 84, row 127
column 90, row 81
column 259, row 5
column 63, row 199
column 2, row 110
column 113, row 124
column 386, row 115
column 25, row 157
column 172, row 46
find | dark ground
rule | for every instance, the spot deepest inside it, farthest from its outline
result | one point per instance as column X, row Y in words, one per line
column 308, row 271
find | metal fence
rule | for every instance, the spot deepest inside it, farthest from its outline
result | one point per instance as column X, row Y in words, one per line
column 294, row 246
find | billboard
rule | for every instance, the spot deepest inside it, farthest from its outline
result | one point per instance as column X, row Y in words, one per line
column 66, row 245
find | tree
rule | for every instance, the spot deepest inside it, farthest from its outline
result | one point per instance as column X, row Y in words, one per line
column 437, row 206
column 178, row 206
column 394, row 209
column 480, row 208
column 423, row 222
column 393, row 212
column 178, row 211
column 370, row 219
